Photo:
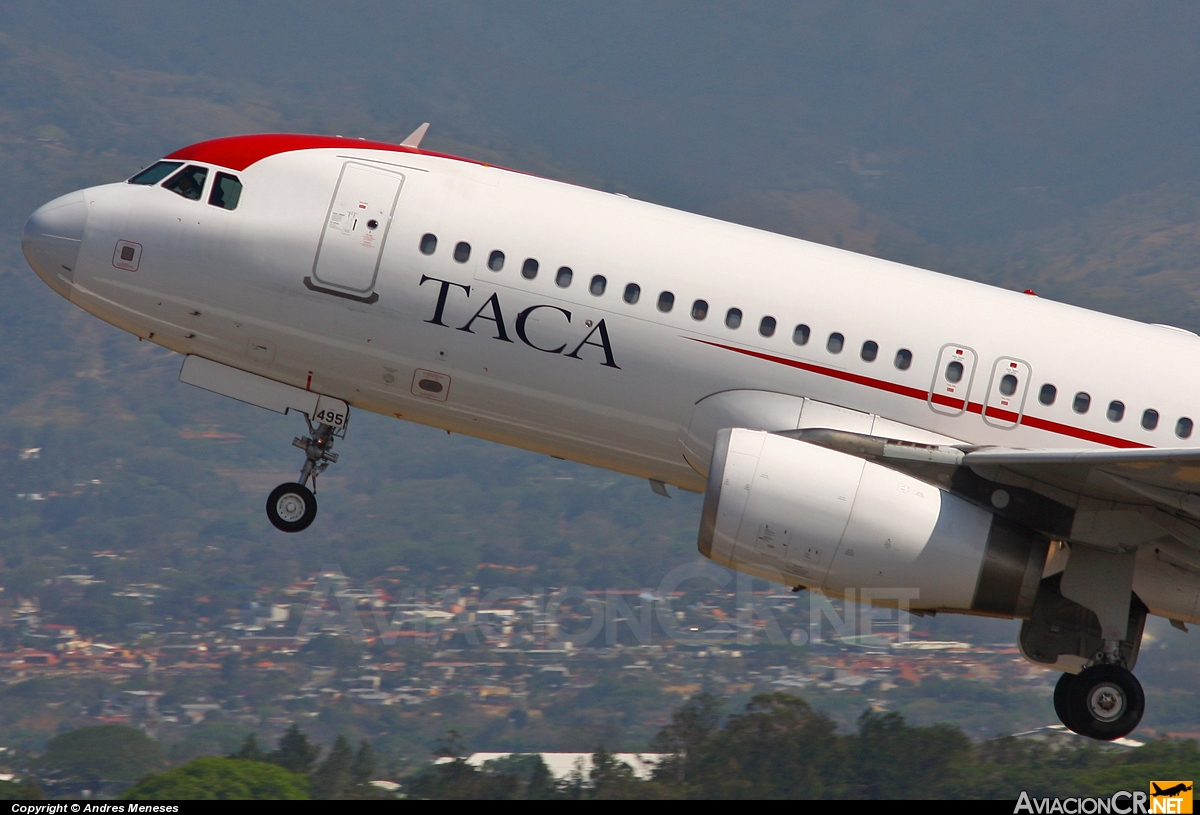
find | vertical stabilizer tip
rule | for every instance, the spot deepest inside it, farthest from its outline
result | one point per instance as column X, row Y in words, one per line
column 414, row 138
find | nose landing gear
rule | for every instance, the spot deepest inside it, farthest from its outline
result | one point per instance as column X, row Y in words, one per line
column 292, row 507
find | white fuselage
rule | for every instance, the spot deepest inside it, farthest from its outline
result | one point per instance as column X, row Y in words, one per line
column 590, row 377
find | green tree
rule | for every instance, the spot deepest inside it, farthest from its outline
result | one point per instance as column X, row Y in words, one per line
column 778, row 748
column 222, row 779
column 893, row 760
column 458, row 780
column 250, row 751
column 613, row 779
column 345, row 774
column 296, row 753
column 692, row 728
column 362, row 773
column 541, row 785
column 535, row 781
column 108, row 753
column 332, row 779
column 455, row 779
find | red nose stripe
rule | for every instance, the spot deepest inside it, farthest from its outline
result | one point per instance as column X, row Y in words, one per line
column 239, row 152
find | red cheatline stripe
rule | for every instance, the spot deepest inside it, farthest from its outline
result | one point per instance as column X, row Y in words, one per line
column 879, row 384
column 917, row 393
column 1080, row 433
column 1003, row 415
column 947, row 401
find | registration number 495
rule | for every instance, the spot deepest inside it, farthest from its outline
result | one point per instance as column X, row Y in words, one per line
column 331, row 411
column 329, row 417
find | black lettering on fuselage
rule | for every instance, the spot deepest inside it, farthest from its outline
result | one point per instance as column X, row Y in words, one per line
column 497, row 318
column 493, row 313
column 524, row 316
column 441, row 301
column 604, row 343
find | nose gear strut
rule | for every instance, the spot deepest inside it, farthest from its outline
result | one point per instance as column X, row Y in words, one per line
column 316, row 447
column 292, row 507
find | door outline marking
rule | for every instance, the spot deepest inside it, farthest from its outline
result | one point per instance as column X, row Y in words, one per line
column 992, row 414
column 366, row 295
column 937, row 399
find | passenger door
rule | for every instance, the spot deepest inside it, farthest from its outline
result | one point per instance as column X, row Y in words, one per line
column 355, row 231
column 1006, row 393
column 952, row 380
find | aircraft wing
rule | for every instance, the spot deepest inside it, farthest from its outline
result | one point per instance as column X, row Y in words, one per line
column 1165, row 479
column 1169, row 478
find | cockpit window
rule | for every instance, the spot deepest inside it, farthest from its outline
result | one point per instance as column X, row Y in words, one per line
column 225, row 192
column 188, row 182
column 155, row 172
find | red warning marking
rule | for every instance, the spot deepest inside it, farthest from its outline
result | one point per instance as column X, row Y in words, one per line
column 308, row 385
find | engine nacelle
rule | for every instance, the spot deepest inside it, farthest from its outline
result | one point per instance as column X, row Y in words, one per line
column 795, row 513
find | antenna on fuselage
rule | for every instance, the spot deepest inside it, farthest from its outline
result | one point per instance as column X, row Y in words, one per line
column 414, row 138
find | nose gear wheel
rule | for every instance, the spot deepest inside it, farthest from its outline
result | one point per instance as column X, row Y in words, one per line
column 292, row 506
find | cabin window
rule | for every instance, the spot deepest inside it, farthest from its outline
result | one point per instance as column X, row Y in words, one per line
column 428, row 243
column 1008, row 385
column 870, row 350
column 462, row 251
column 1047, row 394
column 766, row 326
column 835, row 342
column 155, row 173
column 733, row 318
column 800, row 334
column 188, row 182
column 529, row 269
column 954, row 371
column 1149, row 418
column 632, row 292
column 903, row 359
column 1183, row 428
column 496, row 260
column 563, row 278
column 1116, row 411
column 1081, row 403
column 598, row 285
column 699, row 309
column 666, row 302
column 226, row 191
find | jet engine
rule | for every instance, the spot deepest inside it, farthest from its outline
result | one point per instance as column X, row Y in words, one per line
column 807, row 516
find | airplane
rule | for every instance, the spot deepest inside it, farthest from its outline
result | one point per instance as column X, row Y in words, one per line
column 1169, row 792
column 857, row 427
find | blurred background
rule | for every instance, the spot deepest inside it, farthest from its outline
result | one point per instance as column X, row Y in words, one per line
column 1027, row 145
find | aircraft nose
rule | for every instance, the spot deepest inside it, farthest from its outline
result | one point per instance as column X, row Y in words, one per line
column 52, row 238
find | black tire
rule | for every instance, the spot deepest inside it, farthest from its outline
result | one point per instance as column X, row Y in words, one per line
column 1106, row 701
column 1062, row 695
column 291, row 507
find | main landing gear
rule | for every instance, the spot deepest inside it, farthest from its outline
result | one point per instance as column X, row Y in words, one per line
column 1101, row 702
column 292, row 507
column 1098, row 696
